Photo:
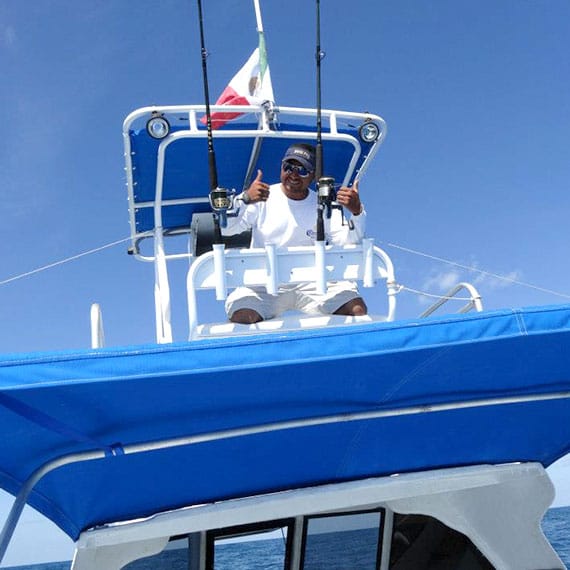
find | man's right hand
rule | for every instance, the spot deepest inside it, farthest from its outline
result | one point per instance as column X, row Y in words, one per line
column 258, row 190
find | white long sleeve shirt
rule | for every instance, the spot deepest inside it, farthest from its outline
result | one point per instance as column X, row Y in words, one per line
column 285, row 222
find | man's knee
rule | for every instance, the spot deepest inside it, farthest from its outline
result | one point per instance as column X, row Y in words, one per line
column 355, row 307
column 246, row 317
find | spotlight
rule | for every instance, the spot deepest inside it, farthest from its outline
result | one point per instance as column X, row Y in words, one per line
column 157, row 126
column 369, row 132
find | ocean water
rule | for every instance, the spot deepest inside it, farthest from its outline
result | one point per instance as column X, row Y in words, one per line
column 556, row 526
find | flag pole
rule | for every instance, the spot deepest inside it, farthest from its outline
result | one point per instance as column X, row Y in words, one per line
column 263, row 65
column 258, row 140
column 258, row 16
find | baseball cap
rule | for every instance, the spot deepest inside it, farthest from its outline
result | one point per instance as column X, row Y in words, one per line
column 304, row 154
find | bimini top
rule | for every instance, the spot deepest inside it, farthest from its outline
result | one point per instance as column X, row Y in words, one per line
column 162, row 427
column 168, row 180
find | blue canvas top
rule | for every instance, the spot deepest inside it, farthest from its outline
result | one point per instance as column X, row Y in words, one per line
column 186, row 162
column 488, row 388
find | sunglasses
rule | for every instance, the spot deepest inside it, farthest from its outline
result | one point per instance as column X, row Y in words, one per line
column 300, row 170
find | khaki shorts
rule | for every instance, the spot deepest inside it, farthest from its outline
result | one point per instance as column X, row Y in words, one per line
column 302, row 297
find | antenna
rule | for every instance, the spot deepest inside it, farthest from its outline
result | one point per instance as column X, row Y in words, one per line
column 220, row 201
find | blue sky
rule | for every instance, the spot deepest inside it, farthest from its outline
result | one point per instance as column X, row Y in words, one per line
column 474, row 170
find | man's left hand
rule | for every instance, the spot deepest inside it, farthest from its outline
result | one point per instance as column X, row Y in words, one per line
column 350, row 199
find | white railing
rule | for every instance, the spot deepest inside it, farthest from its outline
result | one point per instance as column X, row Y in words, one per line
column 192, row 113
column 474, row 302
column 97, row 333
column 223, row 269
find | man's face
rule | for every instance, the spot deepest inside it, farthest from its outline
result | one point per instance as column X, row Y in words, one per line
column 295, row 178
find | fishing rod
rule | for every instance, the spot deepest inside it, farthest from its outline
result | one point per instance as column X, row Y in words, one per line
column 319, row 56
column 325, row 184
column 220, row 199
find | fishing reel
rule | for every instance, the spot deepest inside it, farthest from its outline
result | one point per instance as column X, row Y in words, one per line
column 326, row 193
column 221, row 200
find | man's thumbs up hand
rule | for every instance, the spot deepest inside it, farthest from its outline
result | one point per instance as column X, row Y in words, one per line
column 258, row 190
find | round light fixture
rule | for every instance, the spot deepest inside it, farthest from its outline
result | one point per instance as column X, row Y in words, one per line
column 157, row 126
column 369, row 132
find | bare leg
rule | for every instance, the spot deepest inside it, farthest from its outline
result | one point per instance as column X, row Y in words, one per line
column 355, row 307
column 246, row 317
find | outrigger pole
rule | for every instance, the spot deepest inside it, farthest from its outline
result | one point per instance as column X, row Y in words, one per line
column 219, row 199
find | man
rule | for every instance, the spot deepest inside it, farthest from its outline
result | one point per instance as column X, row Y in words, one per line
column 285, row 215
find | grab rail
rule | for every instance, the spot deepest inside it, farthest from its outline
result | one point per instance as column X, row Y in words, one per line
column 97, row 333
column 473, row 303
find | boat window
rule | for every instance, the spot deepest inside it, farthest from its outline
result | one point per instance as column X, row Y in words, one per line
column 264, row 546
column 338, row 542
column 420, row 541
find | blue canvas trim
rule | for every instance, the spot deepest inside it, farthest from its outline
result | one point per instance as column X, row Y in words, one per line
column 48, row 422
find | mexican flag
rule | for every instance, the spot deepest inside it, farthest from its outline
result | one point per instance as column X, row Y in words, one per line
column 250, row 86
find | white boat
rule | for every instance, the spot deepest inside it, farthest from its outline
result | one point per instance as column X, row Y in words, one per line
column 360, row 442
